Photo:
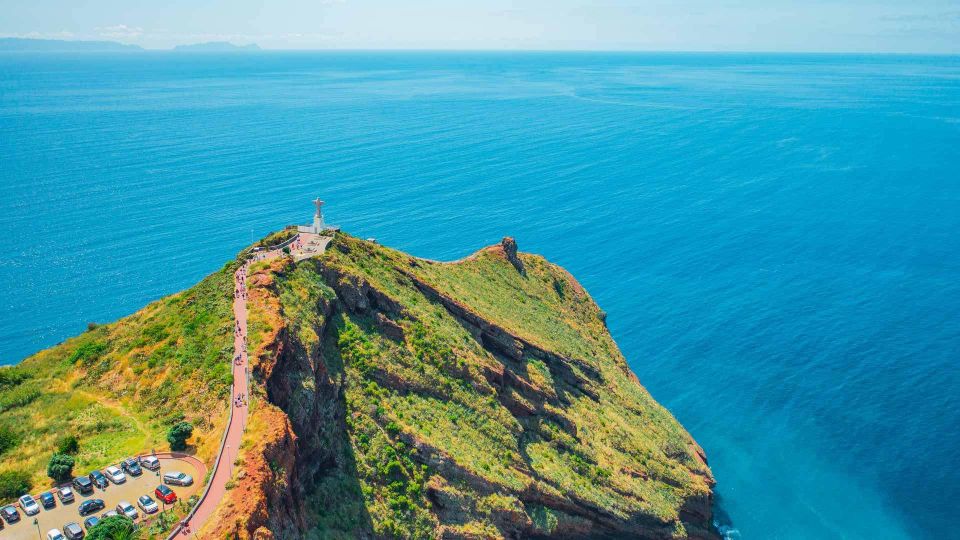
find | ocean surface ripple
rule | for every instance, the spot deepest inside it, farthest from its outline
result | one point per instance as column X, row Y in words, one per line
column 774, row 237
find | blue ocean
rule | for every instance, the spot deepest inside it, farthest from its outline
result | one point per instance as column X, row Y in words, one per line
column 776, row 238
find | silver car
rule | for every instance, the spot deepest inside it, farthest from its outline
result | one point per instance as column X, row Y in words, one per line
column 115, row 474
column 29, row 505
column 150, row 462
column 127, row 509
column 175, row 478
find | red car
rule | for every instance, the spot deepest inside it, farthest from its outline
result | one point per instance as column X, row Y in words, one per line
column 165, row 494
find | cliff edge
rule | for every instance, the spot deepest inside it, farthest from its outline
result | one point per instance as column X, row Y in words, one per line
column 395, row 397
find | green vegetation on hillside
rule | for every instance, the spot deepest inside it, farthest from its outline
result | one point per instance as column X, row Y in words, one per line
column 427, row 420
column 119, row 387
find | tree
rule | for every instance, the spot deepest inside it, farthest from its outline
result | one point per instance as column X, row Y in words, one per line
column 178, row 435
column 14, row 484
column 68, row 445
column 113, row 528
column 60, row 467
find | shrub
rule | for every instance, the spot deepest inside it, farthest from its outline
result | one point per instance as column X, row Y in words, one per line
column 113, row 528
column 18, row 397
column 11, row 376
column 88, row 352
column 13, row 484
column 60, row 468
column 69, row 445
column 178, row 435
column 8, row 439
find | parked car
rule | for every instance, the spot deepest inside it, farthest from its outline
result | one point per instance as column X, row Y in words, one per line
column 90, row 506
column 177, row 479
column 83, row 485
column 10, row 513
column 29, row 505
column 165, row 494
column 127, row 509
column 98, row 479
column 150, row 462
column 147, row 504
column 90, row 522
column 131, row 466
column 73, row 531
column 65, row 494
column 115, row 475
column 55, row 534
column 47, row 500
column 108, row 514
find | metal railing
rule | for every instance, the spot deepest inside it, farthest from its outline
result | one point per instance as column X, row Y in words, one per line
column 284, row 244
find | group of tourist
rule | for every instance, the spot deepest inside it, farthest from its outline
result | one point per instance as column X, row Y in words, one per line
column 240, row 400
column 240, row 293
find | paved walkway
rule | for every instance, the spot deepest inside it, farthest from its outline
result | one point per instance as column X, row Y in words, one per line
column 224, row 470
column 301, row 248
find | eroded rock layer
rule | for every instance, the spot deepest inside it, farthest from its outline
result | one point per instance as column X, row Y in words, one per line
column 403, row 398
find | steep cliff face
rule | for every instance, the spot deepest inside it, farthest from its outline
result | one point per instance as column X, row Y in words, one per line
column 397, row 397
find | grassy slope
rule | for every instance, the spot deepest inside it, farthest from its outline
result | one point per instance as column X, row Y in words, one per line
column 119, row 387
column 628, row 455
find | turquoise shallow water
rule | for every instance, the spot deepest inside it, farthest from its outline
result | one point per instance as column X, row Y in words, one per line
column 773, row 237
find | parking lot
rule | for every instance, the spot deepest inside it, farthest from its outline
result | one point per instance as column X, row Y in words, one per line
column 135, row 486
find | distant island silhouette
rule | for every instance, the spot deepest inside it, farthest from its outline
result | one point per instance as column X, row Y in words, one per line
column 62, row 45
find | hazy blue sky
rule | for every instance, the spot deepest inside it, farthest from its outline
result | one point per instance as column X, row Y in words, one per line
column 728, row 25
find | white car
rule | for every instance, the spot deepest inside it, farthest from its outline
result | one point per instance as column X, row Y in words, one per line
column 55, row 534
column 127, row 509
column 115, row 474
column 29, row 505
column 148, row 505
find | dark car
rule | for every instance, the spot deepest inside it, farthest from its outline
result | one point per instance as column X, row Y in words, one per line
column 131, row 466
column 90, row 506
column 83, row 485
column 90, row 522
column 47, row 500
column 10, row 513
column 73, row 531
column 99, row 479
column 165, row 494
